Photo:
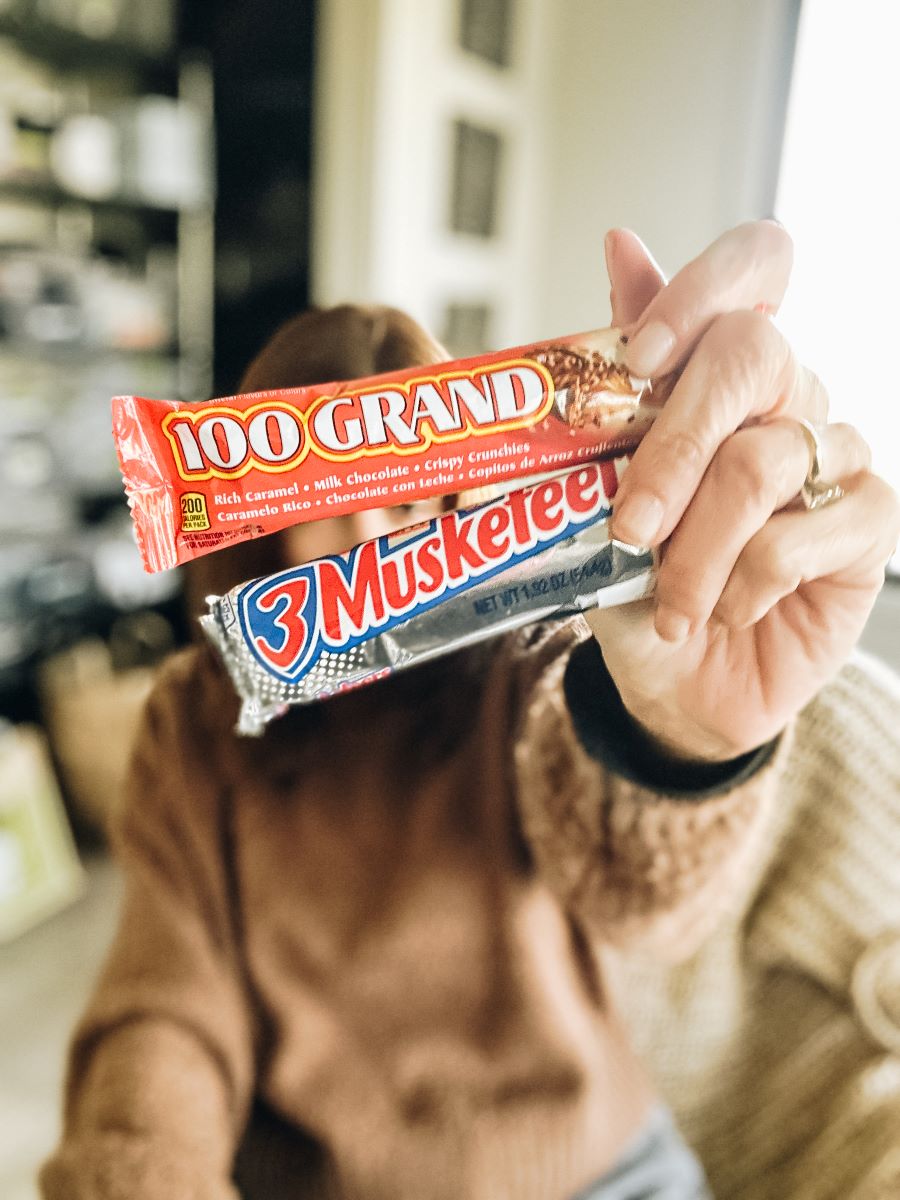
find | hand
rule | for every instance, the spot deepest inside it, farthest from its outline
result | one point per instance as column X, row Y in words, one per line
column 758, row 601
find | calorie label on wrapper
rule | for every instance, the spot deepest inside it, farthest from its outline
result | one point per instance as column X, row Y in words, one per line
column 194, row 513
column 202, row 476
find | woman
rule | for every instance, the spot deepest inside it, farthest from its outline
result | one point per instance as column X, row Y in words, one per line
column 374, row 940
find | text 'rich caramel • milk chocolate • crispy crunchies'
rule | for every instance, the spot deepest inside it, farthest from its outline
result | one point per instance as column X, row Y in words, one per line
column 201, row 476
column 342, row 621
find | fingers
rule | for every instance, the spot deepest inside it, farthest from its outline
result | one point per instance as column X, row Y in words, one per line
column 746, row 268
column 756, row 472
column 849, row 541
column 742, row 369
column 633, row 275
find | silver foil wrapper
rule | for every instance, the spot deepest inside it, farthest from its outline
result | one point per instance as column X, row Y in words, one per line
column 540, row 553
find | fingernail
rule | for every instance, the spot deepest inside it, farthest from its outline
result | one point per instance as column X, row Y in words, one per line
column 671, row 625
column 609, row 246
column 649, row 349
column 637, row 518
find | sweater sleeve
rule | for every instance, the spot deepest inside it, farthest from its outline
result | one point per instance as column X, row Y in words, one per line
column 639, row 860
column 782, row 1035
column 160, row 1071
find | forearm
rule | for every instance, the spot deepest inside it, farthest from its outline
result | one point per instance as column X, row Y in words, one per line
column 148, row 1115
column 161, row 1068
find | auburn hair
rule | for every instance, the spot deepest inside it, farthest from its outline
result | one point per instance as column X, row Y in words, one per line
column 321, row 345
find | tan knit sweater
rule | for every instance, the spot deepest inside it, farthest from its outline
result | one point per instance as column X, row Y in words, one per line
column 385, row 920
column 778, row 1044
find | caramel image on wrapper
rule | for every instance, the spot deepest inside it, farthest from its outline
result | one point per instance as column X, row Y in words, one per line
column 541, row 552
column 201, row 476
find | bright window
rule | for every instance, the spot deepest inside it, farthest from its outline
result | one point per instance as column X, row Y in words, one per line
column 839, row 196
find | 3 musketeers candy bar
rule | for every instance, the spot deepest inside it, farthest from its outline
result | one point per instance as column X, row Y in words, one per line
column 398, row 600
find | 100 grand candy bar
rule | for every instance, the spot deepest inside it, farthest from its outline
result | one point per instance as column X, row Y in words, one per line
column 201, row 476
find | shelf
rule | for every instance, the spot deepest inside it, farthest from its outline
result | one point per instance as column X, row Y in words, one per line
column 49, row 193
column 60, row 354
column 68, row 50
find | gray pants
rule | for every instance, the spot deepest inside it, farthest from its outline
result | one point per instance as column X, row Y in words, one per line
column 658, row 1165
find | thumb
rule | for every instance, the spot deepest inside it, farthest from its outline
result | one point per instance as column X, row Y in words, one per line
column 634, row 276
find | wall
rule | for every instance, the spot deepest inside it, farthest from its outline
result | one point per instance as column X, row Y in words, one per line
column 664, row 116
column 391, row 79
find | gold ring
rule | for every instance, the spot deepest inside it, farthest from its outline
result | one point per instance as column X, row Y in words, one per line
column 816, row 492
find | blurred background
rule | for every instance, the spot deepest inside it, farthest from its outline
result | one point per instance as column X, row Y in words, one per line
column 176, row 179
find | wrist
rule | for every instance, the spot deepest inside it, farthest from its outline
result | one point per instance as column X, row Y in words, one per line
column 665, row 728
column 610, row 734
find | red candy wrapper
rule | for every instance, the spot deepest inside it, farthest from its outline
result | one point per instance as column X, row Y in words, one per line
column 202, row 476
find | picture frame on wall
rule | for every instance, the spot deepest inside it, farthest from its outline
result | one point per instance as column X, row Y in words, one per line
column 477, row 156
column 486, row 29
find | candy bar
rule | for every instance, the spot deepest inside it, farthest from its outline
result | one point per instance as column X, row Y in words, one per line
column 201, row 476
column 341, row 621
